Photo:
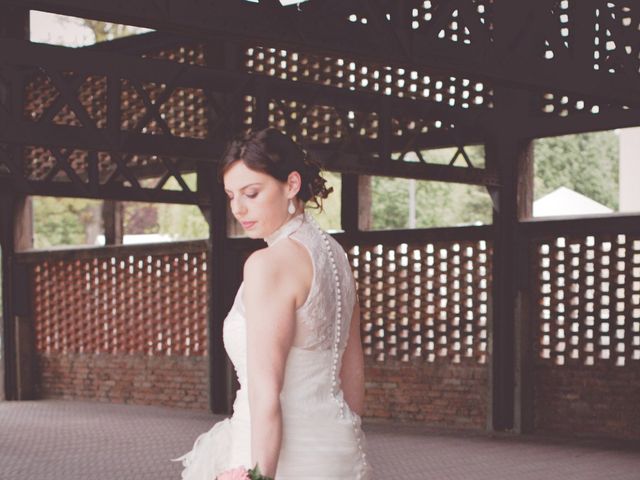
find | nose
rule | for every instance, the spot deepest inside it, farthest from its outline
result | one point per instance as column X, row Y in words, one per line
column 237, row 207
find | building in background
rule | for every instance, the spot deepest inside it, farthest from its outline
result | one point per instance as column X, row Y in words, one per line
column 629, row 169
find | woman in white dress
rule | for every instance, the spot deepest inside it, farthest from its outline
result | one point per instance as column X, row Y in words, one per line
column 293, row 332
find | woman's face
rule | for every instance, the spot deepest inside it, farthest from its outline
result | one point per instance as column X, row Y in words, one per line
column 259, row 201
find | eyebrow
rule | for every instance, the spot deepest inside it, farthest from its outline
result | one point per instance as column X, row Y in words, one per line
column 257, row 183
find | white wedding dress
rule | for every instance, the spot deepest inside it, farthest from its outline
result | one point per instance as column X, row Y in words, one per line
column 322, row 437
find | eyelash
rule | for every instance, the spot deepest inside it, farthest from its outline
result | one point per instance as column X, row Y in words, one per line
column 250, row 196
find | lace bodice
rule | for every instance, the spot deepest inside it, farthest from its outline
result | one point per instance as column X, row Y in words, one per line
column 318, row 315
column 322, row 322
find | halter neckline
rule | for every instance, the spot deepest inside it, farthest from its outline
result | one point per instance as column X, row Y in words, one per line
column 286, row 228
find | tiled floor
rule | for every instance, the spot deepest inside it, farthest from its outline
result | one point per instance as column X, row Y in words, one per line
column 83, row 440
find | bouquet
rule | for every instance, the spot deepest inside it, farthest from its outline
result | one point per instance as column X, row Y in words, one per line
column 242, row 473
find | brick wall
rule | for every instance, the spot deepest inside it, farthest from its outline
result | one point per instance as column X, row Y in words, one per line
column 594, row 401
column 451, row 395
column 175, row 381
column 440, row 394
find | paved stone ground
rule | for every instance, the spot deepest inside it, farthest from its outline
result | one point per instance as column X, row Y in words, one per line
column 81, row 440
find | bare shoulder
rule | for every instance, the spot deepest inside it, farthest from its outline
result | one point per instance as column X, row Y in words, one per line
column 283, row 270
column 272, row 263
column 261, row 265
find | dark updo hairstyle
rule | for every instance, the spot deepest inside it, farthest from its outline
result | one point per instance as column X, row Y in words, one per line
column 274, row 153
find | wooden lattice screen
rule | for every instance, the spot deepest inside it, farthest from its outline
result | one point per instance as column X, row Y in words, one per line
column 425, row 300
column 419, row 300
column 143, row 107
column 163, row 109
column 587, row 296
column 123, row 300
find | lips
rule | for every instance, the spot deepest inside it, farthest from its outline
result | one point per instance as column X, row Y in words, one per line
column 247, row 224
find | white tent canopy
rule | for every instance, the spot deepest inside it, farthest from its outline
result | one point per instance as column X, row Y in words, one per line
column 564, row 201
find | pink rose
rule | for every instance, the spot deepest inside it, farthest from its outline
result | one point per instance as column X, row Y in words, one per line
column 239, row 473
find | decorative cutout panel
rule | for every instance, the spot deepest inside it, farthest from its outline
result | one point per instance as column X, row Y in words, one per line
column 129, row 303
column 611, row 45
column 360, row 76
column 617, row 37
column 588, row 302
column 191, row 54
column 179, row 112
column 88, row 170
column 426, row 302
column 50, row 97
column 321, row 123
column 465, row 22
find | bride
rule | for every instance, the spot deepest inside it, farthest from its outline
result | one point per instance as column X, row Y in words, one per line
column 293, row 332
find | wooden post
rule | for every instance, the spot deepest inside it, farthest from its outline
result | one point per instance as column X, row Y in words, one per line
column 509, row 152
column 220, row 401
column 524, row 333
column 17, row 335
column 223, row 262
column 349, row 203
column 27, row 377
column 510, row 366
column 113, row 219
column 14, row 235
column 7, row 333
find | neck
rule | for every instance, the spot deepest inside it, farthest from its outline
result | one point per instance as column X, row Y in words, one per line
column 289, row 225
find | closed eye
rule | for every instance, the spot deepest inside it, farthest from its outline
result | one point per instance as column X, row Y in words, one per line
column 254, row 195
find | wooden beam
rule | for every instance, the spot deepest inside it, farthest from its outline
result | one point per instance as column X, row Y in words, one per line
column 61, row 136
column 115, row 192
column 67, row 254
column 548, row 125
column 438, row 234
column 579, row 225
column 14, row 21
column 374, row 237
column 351, row 163
column 343, row 163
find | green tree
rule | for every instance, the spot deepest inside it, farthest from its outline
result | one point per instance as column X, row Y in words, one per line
column 587, row 163
column 63, row 221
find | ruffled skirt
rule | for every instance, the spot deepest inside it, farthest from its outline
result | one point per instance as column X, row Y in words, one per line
column 312, row 449
column 223, row 447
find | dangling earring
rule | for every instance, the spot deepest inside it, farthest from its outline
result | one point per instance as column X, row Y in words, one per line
column 291, row 208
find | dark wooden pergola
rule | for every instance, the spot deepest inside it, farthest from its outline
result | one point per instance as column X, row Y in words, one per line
column 361, row 84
